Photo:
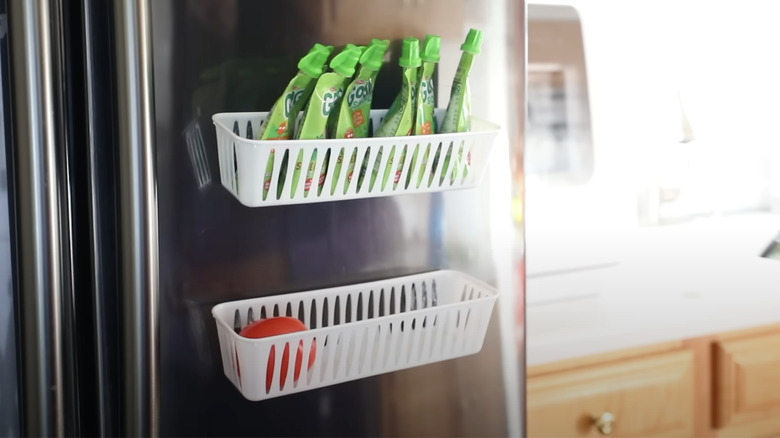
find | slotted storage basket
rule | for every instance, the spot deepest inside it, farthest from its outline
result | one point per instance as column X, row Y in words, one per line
column 243, row 162
column 354, row 331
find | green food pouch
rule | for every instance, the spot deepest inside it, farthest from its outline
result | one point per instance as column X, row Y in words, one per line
column 296, row 176
column 399, row 169
column 458, row 115
column 335, row 116
column 336, row 171
column 280, row 121
column 424, row 121
column 310, row 173
column 399, row 120
column 371, row 61
column 350, row 170
column 326, row 96
column 355, row 109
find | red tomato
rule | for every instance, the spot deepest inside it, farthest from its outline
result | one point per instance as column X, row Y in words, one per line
column 275, row 326
column 278, row 325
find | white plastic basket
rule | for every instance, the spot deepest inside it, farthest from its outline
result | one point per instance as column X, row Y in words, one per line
column 242, row 162
column 357, row 331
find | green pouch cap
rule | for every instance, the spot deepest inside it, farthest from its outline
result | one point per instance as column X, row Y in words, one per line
column 473, row 42
column 431, row 48
column 320, row 47
column 351, row 46
column 373, row 57
column 378, row 42
column 314, row 62
column 344, row 63
column 410, row 53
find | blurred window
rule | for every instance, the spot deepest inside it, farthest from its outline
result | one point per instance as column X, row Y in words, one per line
column 558, row 136
column 651, row 115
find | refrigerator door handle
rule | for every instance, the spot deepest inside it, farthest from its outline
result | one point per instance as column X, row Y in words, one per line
column 138, row 217
column 40, row 215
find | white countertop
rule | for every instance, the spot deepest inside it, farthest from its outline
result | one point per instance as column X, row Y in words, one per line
column 659, row 284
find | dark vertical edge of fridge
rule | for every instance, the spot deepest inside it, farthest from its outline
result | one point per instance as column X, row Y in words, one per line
column 138, row 217
column 66, row 86
column 101, row 173
column 9, row 366
column 37, row 207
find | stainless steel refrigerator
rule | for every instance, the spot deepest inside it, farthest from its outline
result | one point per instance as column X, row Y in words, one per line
column 120, row 237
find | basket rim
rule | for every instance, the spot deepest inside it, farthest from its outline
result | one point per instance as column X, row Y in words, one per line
column 489, row 128
column 492, row 295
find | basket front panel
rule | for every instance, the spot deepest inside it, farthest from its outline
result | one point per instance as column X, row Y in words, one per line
column 354, row 332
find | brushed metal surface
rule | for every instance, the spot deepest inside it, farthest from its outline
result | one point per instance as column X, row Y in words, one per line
column 37, row 94
column 138, row 217
column 222, row 56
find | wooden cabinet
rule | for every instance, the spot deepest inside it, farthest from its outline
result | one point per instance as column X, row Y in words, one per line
column 725, row 385
column 747, row 380
column 648, row 396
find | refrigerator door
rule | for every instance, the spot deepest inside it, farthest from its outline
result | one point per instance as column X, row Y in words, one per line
column 187, row 244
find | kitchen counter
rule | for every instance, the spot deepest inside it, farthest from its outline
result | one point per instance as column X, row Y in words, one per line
column 656, row 285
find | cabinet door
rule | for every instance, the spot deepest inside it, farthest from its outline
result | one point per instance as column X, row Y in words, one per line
column 748, row 384
column 647, row 396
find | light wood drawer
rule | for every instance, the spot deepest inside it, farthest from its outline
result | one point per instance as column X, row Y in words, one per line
column 648, row 396
column 747, row 395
